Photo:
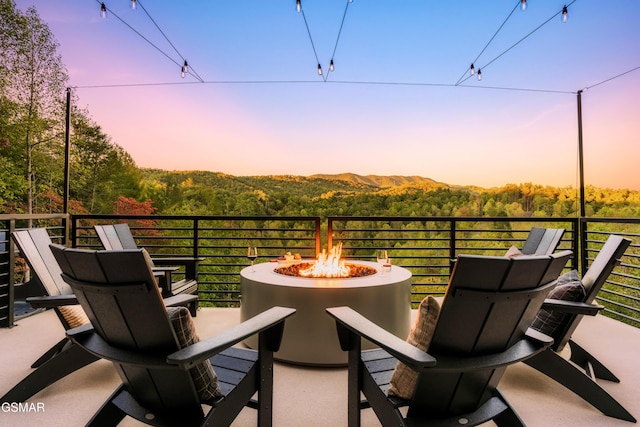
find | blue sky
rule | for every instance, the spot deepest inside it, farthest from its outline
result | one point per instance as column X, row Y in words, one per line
column 391, row 107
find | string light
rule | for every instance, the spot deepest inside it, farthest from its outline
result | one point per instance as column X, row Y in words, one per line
column 185, row 69
column 319, row 70
column 479, row 74
column 565, row 13
column 472, row 70
column 133, row 4
column 298, row 6
column 523, row 4
column 103, row 11
column 331, row 67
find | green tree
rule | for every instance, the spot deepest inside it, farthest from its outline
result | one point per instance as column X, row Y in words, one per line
column 101, row 171
column 33, row 81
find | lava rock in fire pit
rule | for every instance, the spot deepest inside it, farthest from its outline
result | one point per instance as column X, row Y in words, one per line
column 355, row 270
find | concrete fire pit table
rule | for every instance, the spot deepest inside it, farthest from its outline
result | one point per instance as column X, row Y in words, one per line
column 310, row 336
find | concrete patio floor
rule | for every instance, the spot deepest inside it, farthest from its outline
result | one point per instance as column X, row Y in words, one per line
column 316, row 396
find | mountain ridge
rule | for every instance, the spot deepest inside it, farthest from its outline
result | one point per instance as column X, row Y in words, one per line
column 382, row 181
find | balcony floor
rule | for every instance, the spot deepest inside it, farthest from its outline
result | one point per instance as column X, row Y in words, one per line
column 317, row 396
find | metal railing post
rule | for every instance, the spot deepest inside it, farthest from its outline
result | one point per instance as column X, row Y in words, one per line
column 452, row 244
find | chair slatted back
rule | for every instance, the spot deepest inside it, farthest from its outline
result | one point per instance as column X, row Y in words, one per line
column 489, row 304
column 542, row 241
column 108, row 237
column 116, row 236
column 593, row 280
column 124, row 235
column 34, row 245
column 118, row 291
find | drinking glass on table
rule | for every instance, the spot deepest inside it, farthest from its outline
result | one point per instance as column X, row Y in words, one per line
column 382, row 256
column 252, row 254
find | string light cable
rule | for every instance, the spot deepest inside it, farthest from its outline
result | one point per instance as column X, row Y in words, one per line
column 313, row 46
column 335, row 47
column 612, row 78
column 487, row 45
column 191, row 70
column 560, row 12
column 104, row 10
column 300, row 10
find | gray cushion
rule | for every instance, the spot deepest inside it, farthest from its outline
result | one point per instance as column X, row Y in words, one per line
column 569, row 287
column 203, row 375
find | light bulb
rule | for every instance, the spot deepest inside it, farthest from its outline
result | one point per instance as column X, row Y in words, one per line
column 319, row 70
column 185, row 69
column 565, row 14
column 472, row 70
column 298, row 6
column 479, row 74
column 523, row 4
column 133, row 4
column 331, row 67
column 103, row 10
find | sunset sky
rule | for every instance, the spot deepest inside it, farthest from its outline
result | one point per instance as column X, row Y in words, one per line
column 254, row 104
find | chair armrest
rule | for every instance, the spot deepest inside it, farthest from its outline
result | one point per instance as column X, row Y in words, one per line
column 48, row 301
column 521, row 350
column 162, row 269
column 190, row 263
column 571, row 307
column 539, row 337
column 86, row 337
column 181, row 300
column 175, row 259
column 189, row 356
column 363, row 327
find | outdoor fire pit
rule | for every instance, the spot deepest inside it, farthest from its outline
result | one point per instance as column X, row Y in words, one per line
column 310, row 336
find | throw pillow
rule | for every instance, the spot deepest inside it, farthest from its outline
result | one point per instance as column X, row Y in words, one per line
column 404, row 379
column 513, row 252
column 74, row 315
column 568, row 288
column 203, row 375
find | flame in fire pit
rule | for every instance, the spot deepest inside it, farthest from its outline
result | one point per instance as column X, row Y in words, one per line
column 328, row 265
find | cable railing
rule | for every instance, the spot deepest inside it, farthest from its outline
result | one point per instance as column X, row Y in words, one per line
column 220, row 241
column 621, row 294
column 426, row 246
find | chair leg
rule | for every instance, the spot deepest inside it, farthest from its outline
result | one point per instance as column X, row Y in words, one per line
column 568, row 375
column 70, row 359
column 509, row 417
column 585, row 360
column 354, row 385
column 109, row 413
column 57, row 348
column 387, row 414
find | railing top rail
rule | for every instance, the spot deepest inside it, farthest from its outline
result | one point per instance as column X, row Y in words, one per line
column 20, row 217
column 194, row 217
column 455, row 218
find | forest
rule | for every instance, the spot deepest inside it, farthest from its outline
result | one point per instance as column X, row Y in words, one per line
column 104, row 178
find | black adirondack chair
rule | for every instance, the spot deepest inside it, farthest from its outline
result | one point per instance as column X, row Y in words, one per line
column 131, row 328
column 64, row 357
column 481, row 329
column 118, row 236
column 580, row 371
column 542, row 241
